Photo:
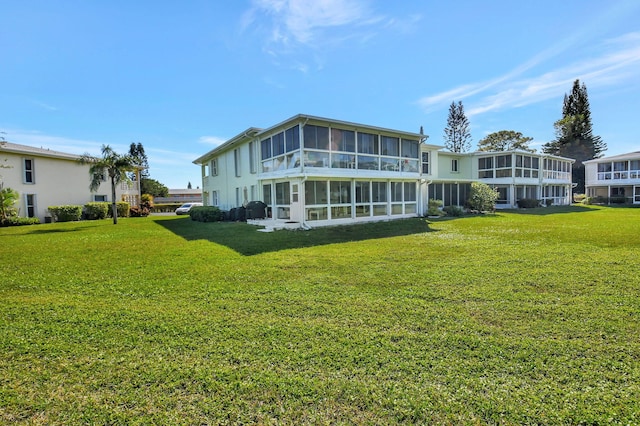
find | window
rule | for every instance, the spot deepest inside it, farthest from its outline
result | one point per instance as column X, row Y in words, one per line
column 343, row 140
column 362, row 192
column 100, row 198
column 425, row 163
column 30, row 204
column 214, row 167
column 238, row 196
column 316, row 137
column 266, row 194
column 252, row 158
column 214, row 198
column 409, row 148
column 315, row 192
column 265, row 144
column 485, row 167
column 29, row 172
column 379, row 191
column 236, row 161
column 454, row 165
column 390, row 146
column 278, row 144
column 367, row 143
column 340, row 192
column 503, row 165
column 282, row 193
column 292, row 138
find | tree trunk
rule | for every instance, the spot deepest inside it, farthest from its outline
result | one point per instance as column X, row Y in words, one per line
column 114, row 207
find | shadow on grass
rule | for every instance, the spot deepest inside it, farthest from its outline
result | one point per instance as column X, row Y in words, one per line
column 40, row 231
column 246, row 240
column 543, row 211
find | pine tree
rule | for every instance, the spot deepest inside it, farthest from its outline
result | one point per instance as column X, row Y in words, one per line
column 456, row 134
column 574, row 134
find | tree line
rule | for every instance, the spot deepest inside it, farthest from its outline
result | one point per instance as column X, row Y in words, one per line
column 574, row 136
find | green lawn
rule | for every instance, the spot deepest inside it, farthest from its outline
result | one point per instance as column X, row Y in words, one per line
column 513, row 318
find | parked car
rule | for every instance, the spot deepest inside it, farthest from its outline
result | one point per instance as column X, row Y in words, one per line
column 184, row 209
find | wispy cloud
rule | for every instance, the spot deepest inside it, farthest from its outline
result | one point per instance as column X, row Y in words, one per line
column 304, row 21
column 44, row 105
column 613, row 62
column 211, row 140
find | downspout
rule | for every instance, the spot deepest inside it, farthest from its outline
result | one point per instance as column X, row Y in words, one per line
column 422, row 182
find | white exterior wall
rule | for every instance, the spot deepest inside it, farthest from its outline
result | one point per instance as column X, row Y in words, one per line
column 611, row 183
column 226, row 182
column 57, row 181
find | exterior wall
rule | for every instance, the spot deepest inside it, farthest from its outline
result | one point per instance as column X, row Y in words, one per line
column 614, row 178
column 225, row 183
column 56, row 181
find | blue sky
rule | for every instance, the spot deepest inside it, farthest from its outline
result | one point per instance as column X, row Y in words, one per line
column 181, row 77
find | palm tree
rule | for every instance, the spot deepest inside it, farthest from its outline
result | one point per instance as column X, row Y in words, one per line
column 112, row 164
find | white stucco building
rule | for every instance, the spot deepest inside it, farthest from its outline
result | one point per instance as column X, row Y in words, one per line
column 315, row 171
column 46, row 178
column 616, row 177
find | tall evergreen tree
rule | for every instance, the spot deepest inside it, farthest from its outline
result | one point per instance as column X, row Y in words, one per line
column 136, row 151
column 574, row 134
column 456, row 135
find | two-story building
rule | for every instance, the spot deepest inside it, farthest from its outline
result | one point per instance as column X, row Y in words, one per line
column 614, row 177
column 316, row 171
column 46, row 178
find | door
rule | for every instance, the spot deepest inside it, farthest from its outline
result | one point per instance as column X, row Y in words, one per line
column 296, row 205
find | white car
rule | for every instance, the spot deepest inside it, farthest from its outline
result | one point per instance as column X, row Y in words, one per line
column 184, row 209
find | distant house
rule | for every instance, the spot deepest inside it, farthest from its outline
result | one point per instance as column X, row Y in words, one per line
column 46, row 178
column 312, row 171
column 614, row 178
column 181, row 196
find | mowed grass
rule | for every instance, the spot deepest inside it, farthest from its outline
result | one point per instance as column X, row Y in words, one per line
column 513, row 318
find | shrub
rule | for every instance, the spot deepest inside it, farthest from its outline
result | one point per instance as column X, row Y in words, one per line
column 65, row 213
column 482, row 198
column 434, row 207
column 18, row 221
column 206, row 214
column 139, row 211
column 96, row 210
column 8, row 198
column 620, row 199
column 528, row 203
column 122, row 207
column 166, row 207
column 454, row 211
column 579, row 198
column 548, row 202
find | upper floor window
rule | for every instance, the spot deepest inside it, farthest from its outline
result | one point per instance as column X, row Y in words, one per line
column 409, row 148
column 485, row 167
column 425, row 163
column 368, row 143
column 236, row 161
column 316, row 137
column 454, row 165
column 28, row 170
column 390, row 146
column 252, row 157
column 343, row 140
column 213, row 167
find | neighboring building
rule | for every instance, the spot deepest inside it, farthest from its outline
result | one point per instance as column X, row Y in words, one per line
column 314, row 171
column 181, row 196
column 46, row 178
column 614, row 177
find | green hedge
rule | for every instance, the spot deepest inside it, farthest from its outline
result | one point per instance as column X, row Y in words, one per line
column 122, row 207
column 166, row 207
column 206, row 214
column 65, row 213
column 528, row 203
column 96, row 210
column 19, row 221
